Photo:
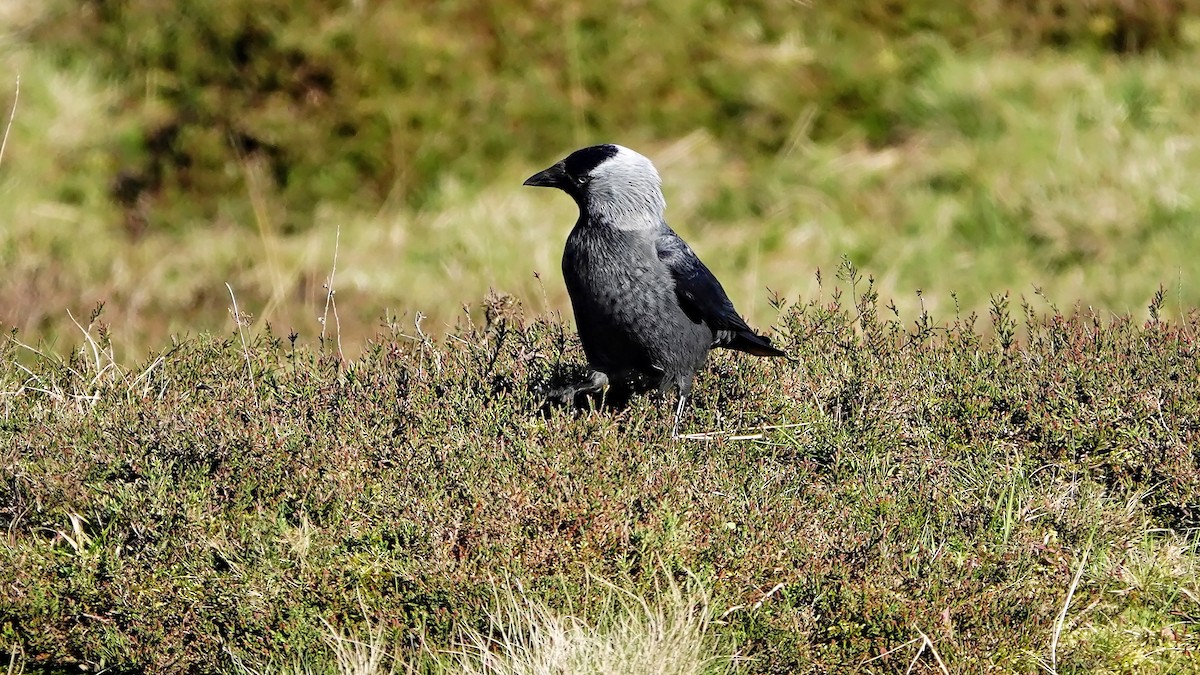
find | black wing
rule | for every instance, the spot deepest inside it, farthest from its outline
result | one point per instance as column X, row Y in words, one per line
column 704, row 300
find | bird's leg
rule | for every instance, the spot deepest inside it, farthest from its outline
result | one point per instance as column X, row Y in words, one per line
column 678, row 414
column 597, row 383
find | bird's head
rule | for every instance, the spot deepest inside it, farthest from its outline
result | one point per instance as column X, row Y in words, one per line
column 610, row 183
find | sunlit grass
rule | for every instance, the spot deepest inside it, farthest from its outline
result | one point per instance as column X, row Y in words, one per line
column 670, row 635
column 670, row 632
column 1064, row 173
column 899, row 491
column 904, row 496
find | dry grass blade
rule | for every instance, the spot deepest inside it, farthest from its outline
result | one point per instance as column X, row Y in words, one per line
column 329, row 292
column 933, row 650
column 238, row 319
column 891, row 651
column 11, row 115
column 16, row 664
column 926, row 643
column 359, row 656
column 145, row 375
column 1062, row 615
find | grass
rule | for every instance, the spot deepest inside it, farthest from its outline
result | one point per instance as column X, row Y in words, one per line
column 309, row 436
column 670, row 633
column 673, row 635
column 1004, row 170
column 917, row 493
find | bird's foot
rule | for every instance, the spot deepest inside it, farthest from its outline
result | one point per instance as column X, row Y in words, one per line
column 596, row 382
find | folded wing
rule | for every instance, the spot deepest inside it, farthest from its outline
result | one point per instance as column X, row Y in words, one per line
column 704, row 300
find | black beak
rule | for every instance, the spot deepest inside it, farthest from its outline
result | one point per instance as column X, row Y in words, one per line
column 555, row 176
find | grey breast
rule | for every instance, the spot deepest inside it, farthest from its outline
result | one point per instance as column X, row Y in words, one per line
column 624, row 300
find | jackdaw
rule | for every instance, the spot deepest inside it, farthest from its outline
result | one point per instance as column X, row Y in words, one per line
column 646, row 308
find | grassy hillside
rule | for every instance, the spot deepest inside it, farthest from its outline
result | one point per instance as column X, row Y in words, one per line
column 899, row 492
column 153, row 159
column 302, row 430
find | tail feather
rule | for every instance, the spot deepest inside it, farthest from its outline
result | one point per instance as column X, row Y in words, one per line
column 747, row 341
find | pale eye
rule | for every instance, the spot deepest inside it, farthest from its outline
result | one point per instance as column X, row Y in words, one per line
column 580, row 180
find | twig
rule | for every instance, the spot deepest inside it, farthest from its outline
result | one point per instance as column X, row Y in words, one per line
column 926, row 643
column 11, row 115
column 426, row 342
column 712, row 435
column 237, row 319
column 337, row 239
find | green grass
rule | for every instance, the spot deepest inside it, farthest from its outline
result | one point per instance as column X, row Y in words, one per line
column 956, row 474
column 953, row 169
column 914, row 481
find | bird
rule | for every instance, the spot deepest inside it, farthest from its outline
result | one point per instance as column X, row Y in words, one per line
column 646, row 308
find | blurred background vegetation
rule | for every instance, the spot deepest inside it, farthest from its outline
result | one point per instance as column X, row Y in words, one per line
column 951, row 150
